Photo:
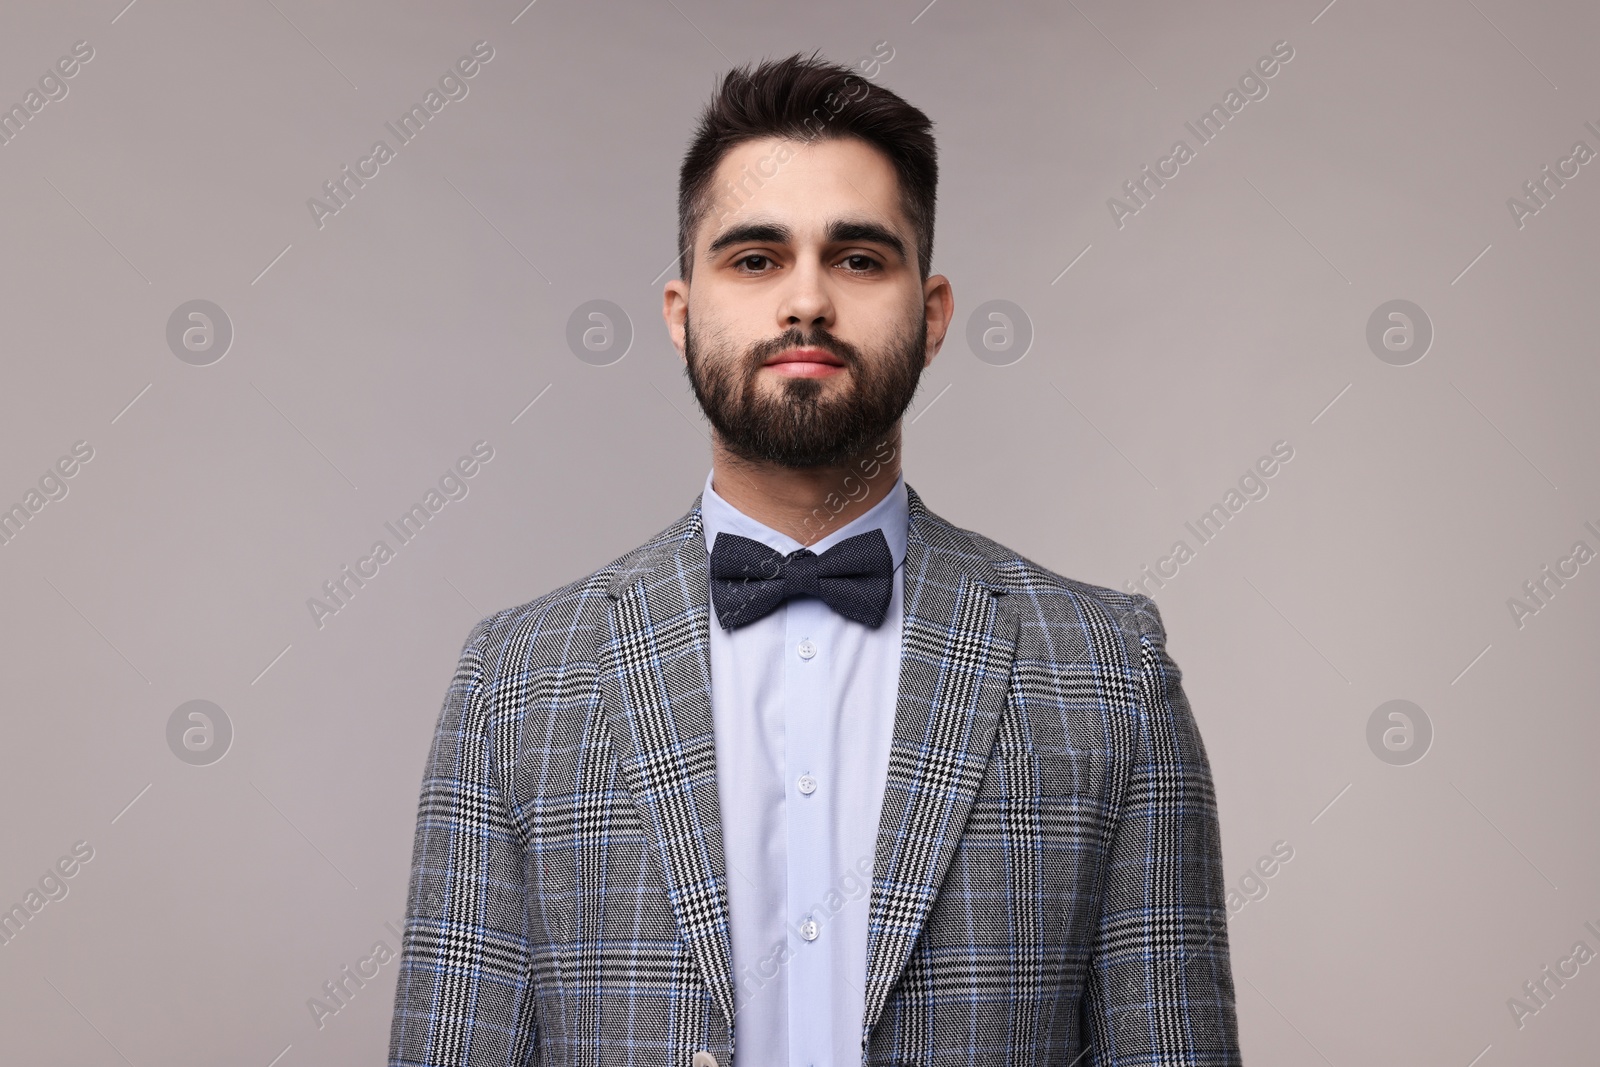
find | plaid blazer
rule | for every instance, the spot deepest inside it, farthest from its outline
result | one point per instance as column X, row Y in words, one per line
column 1047, row 886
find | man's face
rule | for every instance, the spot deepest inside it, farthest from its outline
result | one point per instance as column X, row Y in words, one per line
column 807, row 326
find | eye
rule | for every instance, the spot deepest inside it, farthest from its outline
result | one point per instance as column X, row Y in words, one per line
column 860, row 263
column 740, row 263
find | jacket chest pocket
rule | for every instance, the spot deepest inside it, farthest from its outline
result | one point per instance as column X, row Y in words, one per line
column 1070, row 772
column 1040, row 819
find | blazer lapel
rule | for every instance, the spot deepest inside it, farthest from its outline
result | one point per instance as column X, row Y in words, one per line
column 655, row 678
column 956, row 652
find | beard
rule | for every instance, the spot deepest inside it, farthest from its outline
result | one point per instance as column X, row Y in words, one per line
column 798, row 426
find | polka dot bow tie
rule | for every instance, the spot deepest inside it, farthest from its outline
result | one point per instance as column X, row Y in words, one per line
column 750, row 580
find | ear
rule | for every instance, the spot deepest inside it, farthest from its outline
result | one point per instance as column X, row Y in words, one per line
column 938, row 307
column 674, row 310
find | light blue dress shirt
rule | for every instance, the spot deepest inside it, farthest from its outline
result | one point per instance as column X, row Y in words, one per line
column 803, row 703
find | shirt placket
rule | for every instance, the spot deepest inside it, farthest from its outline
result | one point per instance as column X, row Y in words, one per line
column 806, row 725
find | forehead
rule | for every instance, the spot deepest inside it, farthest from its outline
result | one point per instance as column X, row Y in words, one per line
column 803, row 185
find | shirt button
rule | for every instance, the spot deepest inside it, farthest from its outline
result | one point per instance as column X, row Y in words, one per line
column 809, row 929
column 807, row 784
column 703, row 1059
column 807, row 648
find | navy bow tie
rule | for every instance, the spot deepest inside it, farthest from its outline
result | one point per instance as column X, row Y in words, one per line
column 750, row 580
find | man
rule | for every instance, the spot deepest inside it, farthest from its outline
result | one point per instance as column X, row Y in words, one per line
column 814, row 776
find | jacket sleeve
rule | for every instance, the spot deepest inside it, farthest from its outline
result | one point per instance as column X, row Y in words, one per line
column 464, row 993
column 1160, row 988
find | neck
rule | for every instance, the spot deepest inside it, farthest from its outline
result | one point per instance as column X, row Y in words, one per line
column 808, row 503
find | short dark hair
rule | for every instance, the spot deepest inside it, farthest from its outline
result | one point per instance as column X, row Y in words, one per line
column 807, row 98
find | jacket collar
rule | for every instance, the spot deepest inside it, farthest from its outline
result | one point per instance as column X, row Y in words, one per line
column 959, row 637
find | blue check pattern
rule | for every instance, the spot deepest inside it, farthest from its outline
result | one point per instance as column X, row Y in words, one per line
column 1047, row 886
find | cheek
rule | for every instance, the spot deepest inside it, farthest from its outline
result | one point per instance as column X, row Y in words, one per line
column 724, row 325
column 886, row 330
column 705, row 337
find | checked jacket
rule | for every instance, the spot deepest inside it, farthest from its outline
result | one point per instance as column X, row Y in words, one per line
column 1047, row 886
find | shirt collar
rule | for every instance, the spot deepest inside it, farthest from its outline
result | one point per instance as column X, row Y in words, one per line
column 892, row 515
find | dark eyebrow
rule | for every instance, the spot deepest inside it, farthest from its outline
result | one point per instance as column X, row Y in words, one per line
column 839, row 231
column 767, row 232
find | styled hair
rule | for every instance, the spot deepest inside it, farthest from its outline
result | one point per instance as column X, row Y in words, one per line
column 807, row 99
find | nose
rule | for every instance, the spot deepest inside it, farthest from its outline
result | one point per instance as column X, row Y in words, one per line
column 805, row 301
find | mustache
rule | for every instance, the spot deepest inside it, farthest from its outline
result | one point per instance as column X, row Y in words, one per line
column 794, row 337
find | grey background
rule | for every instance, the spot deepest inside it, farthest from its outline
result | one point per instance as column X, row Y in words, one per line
column 369, row 354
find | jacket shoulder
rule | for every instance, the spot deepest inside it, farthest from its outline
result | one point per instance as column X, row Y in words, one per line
column 583, row 603
column 1050, row 593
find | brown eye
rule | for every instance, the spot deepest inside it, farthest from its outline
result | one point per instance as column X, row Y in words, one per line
column 744, row 261
column 860, row 263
